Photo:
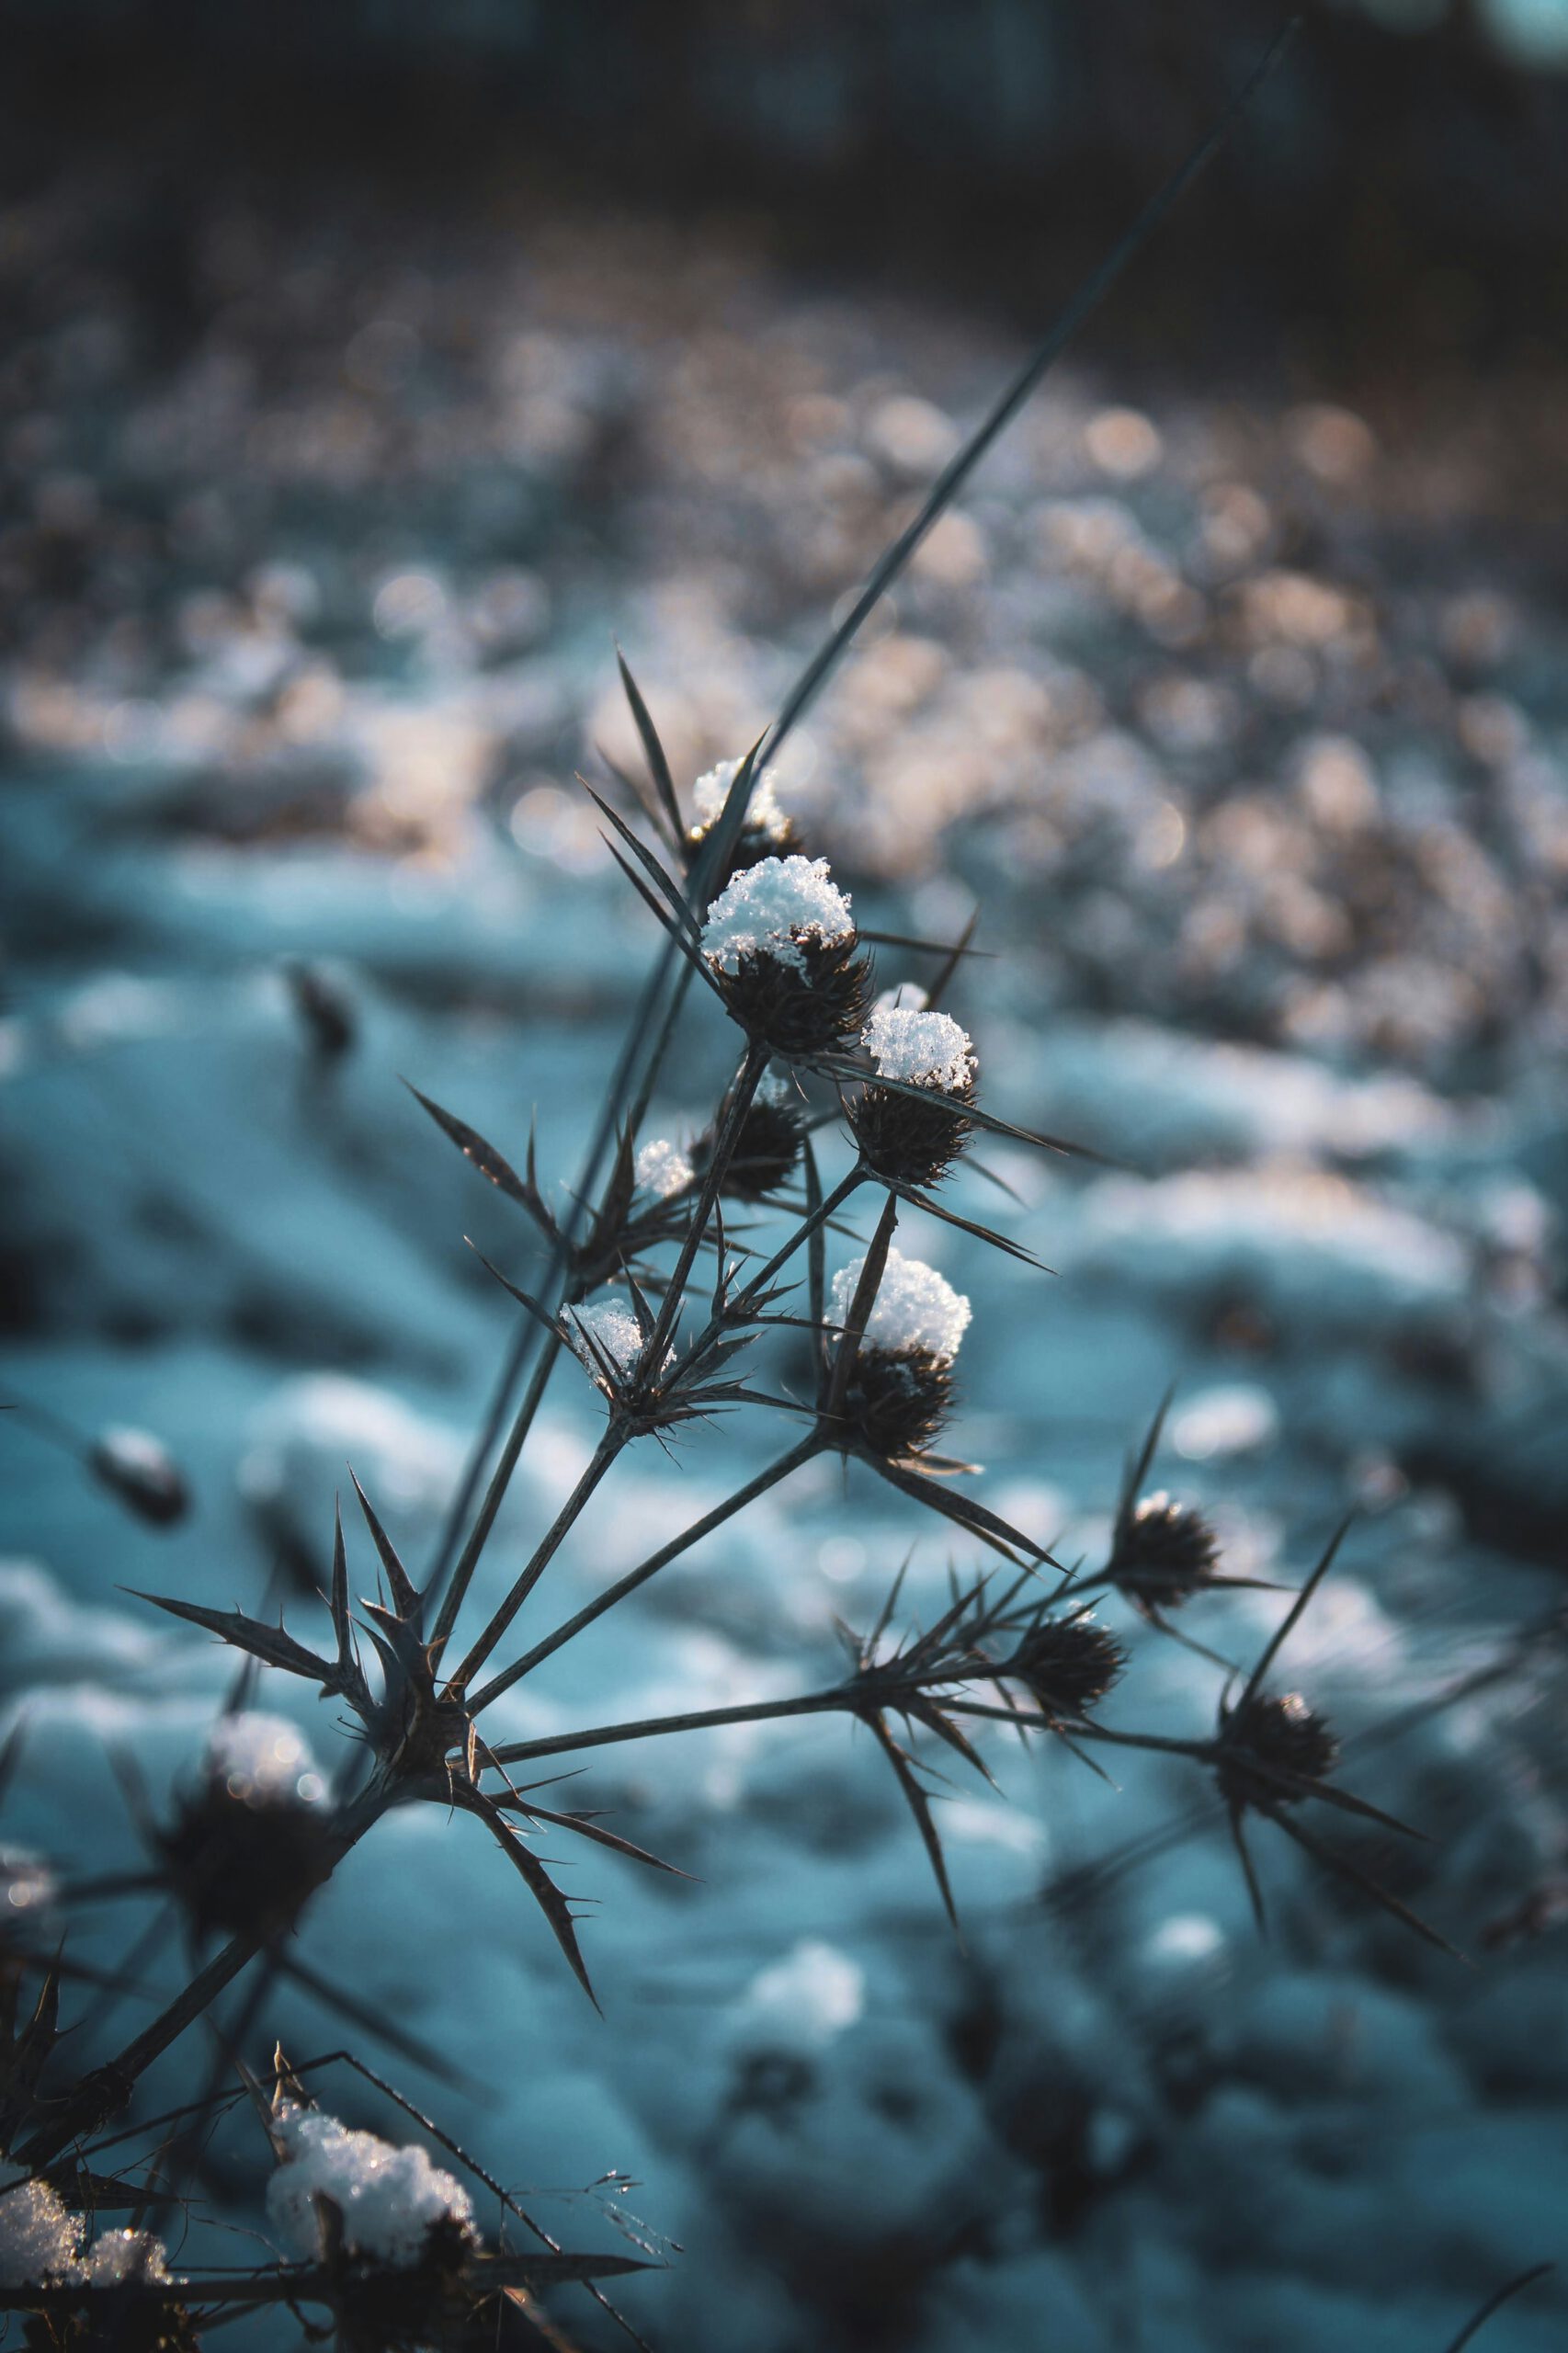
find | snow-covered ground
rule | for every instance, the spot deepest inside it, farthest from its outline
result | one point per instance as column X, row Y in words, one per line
column 1259, row 775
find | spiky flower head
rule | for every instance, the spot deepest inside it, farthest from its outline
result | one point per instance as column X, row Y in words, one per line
column 1270, row 1742
column 910, row 1139
column 901, row 1385
column 781, row 943
column 1162, row 1553
column 769, row 1145
column 255, row 1837
column 1067, row 1664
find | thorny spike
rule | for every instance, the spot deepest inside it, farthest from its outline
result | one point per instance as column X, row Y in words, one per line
column 407, row 1598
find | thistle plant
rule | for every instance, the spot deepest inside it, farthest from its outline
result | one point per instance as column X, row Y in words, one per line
column 665, row 1282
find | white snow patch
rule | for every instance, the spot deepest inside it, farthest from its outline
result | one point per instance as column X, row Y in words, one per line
column 915, row 1308
column 125, row 2254
column 803, row 2002
column 921, row 1049
column 389, row 2196
column 38, row 2235
column 711, row 791
column 663, row 1168
column 608, row 1324
column 770, row 907
column 1235, row 1418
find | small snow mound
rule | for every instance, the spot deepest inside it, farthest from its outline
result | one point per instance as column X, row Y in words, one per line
column 915, row 1308
column 119, row 2255
column 38, row 2235
column 803, row 2002
column 264, row 1760
column 921, row 1049
column 389, row 2197
column 769, row 908
column 608, row 1325
column 763, row 812
column 663, row 1168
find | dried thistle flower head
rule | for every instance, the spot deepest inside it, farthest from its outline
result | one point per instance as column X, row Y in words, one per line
column 767, row 830
column 255, row 1838
column 390, row 2198
column 1270, row 1740
column 768, row 1148
column 1067, row 1664
column 901, row 1387
column 664, row 1169
column 781, row 943
column 1162, row 1553
column 913, row 1141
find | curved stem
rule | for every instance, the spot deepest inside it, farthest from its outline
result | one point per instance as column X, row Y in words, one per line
column 463, row 1575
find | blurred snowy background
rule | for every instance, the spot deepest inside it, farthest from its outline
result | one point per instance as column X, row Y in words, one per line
column 358, row 388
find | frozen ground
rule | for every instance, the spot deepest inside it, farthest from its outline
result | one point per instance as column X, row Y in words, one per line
column 1246, row 730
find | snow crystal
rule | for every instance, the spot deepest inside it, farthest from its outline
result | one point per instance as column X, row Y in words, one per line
column 767, row 909
column 763, row 812
column 613, row 1329
column 38, row 2235
column 922, row 1048
column 389, row 2196
column 264, row 1760
column 125, row 2254
column 915, row 1308
column 663, row 1168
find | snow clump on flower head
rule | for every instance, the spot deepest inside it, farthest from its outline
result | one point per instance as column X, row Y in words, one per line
column 763, row 813
column 121, row 2256
column 917, row 1310
column 389, row 2197
column 39, row 2236
column 610, row 1326
column 264, row 1760
column 770, row 908
column 663, row 1168
column 920, row 1049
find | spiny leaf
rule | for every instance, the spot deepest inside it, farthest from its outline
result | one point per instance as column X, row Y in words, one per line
column 271, row 1644
column 652, row 750
column 920, row 1806
column 405, row 1596
column 475, row 1148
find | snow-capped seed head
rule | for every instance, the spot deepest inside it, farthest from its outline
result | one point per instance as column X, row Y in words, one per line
column 140, row 1470
column 763, row 813
column 389, row 2198
column 1163, row 1551
column 917, row 1310
column 119, row 2255
column 263, row 1760
column 772, row 909
column 920, row 1049
column 606, row 1328
column 1285, row 1735
column 663, row 1168
column 39, row 2236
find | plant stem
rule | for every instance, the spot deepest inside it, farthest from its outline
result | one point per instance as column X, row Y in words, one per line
column 775, row 1472
column 860, row 1308
column 462, row 1575
column 748, row 1712
column 747, row 1081
column 605, row 1453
